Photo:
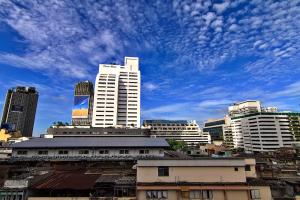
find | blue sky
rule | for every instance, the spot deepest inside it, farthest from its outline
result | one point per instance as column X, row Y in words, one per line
column 196, row 57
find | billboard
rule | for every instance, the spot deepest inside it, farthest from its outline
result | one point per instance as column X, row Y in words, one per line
column 81, row 106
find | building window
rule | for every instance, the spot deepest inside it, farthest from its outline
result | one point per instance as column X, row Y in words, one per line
column 255, row 194
column 144, row 151
column 207, row 194
column 63, row 152
column 124, row 151
column 201, row 194
column 236, row 169
column 83, row 152
column 43, row 152
column 156, row 194
column 103, row 152
column 163, row 171
column 247, row 168
column 22, row 152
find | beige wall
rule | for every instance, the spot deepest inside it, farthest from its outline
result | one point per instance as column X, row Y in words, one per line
column 265, row 192
column 217, row 194
column 252, row 163
column 172, row 195
column 238, row 195
column 192, row 174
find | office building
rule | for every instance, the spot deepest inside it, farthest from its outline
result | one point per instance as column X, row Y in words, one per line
column 264, row 132
column 117, row 95
column 205, row 178
column 216, row 128
column 83, row 104
column 181, row 130
column 19, row 109
column 244, row 108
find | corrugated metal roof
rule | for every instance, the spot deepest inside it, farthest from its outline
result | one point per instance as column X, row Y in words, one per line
column 86, row 142
column 68, row 180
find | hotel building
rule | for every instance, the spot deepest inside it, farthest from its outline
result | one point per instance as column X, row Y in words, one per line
column 187, row 131
column 117, row 95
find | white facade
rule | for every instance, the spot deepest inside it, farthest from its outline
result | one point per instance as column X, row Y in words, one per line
column 100, row 153
column 244, row 108
column 181, row 130
column 117, row 95
column 262, row 132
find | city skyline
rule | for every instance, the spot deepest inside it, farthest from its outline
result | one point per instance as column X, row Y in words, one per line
column 195, row 58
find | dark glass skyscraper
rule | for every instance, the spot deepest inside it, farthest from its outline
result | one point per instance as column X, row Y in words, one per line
column 82, row 111
column 19, row 109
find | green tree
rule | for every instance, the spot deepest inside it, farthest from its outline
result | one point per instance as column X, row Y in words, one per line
column 177, row 145
column 60, row 123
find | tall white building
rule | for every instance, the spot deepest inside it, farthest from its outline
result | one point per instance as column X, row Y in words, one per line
column 117, row 95
column 264, row 132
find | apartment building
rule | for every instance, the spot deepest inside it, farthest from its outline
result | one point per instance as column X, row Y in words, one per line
column 19, row 109
column 117, row 95
column 207, row 178
column 264, row 132
column 184, row 130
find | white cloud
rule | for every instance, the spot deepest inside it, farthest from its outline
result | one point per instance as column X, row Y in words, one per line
column 289, row 91
column 221, row 7
column 150, row 86
column 213, row 103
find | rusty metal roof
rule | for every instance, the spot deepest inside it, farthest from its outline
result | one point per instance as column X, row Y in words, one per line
column 68, row 180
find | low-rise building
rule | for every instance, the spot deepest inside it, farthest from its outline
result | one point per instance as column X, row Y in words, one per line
column 200, row 179
column 181, row 130
column 85, row 131
column 83, row 148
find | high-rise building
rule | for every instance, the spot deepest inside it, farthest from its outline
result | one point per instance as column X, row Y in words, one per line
column 117, row 95
column 180, row 130
column 83, row 104
column 19, row 109
column 263, row 132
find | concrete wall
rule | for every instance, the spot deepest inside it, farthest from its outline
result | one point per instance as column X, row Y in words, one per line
column 172, row 195
column 192, row 174
column 252, row 172
column 240, row 195
column 265, row 192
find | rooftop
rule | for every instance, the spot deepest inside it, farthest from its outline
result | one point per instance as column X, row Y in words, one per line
column 290, row 114
column 86, row 142
column 160, row 121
